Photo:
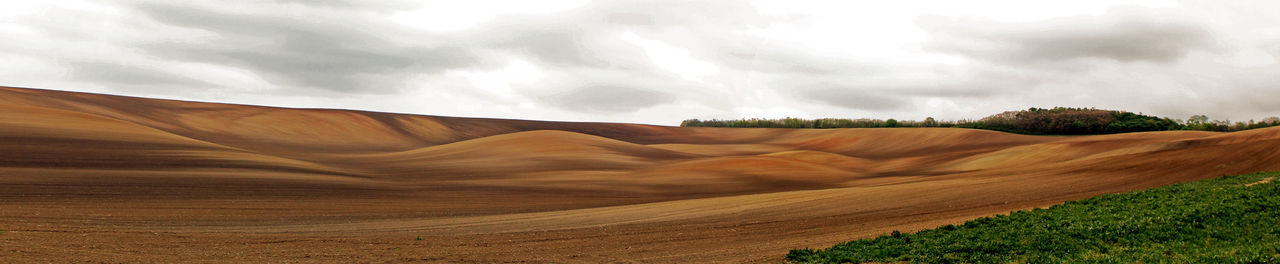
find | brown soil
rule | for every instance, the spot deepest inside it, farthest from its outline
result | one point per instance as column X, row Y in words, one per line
column 99, row 178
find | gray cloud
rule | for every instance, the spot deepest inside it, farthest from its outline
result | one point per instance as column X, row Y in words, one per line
column 608, row 98
column 1253, row 92
column 879, row 96
column 359, row 4
column 587, row 36
column 625, row 18
column 607, row 73
column 963, row 90
column 1122, row 35
column 332, row 53
column 584, row 63
column 881, row 90
column 131, row 75
column 555, row 46
column 355, row 51
column 785, row 60
column 855, row 98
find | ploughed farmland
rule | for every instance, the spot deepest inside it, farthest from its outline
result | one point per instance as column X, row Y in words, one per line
column 109, row 178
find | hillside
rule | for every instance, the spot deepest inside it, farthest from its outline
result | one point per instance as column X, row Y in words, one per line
column 125, row 179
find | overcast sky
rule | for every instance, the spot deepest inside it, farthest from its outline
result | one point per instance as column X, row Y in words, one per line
column 660, row 62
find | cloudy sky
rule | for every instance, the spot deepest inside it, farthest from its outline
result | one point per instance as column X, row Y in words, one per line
column 660, row 62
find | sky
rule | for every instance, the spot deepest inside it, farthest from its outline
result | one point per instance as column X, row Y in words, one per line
column 660, row 61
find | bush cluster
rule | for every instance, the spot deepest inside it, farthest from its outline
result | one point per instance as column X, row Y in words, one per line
column 1224, row 220
column 1073, row 121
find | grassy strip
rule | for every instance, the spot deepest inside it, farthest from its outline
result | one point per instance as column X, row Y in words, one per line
column 1233, row 219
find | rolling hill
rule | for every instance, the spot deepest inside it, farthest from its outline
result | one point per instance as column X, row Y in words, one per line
column 113, row 178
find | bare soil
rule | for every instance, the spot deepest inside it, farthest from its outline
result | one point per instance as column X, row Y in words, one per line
column 108, row 179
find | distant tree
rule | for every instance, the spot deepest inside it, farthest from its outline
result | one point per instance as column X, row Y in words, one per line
column 1238, row 126
column 691, row 123
column 1197, row 119
column 1050, row 121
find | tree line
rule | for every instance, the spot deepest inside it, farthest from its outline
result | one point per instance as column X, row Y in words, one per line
column 1039, row 121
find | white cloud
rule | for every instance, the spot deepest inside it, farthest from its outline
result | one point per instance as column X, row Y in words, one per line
column 1252, row 58
column 503, row 84
column 451, row 16
column 660, row 61
column 673, row 59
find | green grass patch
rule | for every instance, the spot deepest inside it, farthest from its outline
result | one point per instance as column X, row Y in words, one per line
column 1223, row 220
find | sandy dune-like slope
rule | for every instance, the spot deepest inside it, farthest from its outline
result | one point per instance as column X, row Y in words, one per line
column 101, row 178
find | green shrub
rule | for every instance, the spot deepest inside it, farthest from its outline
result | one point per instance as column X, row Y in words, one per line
column 1212, row 221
